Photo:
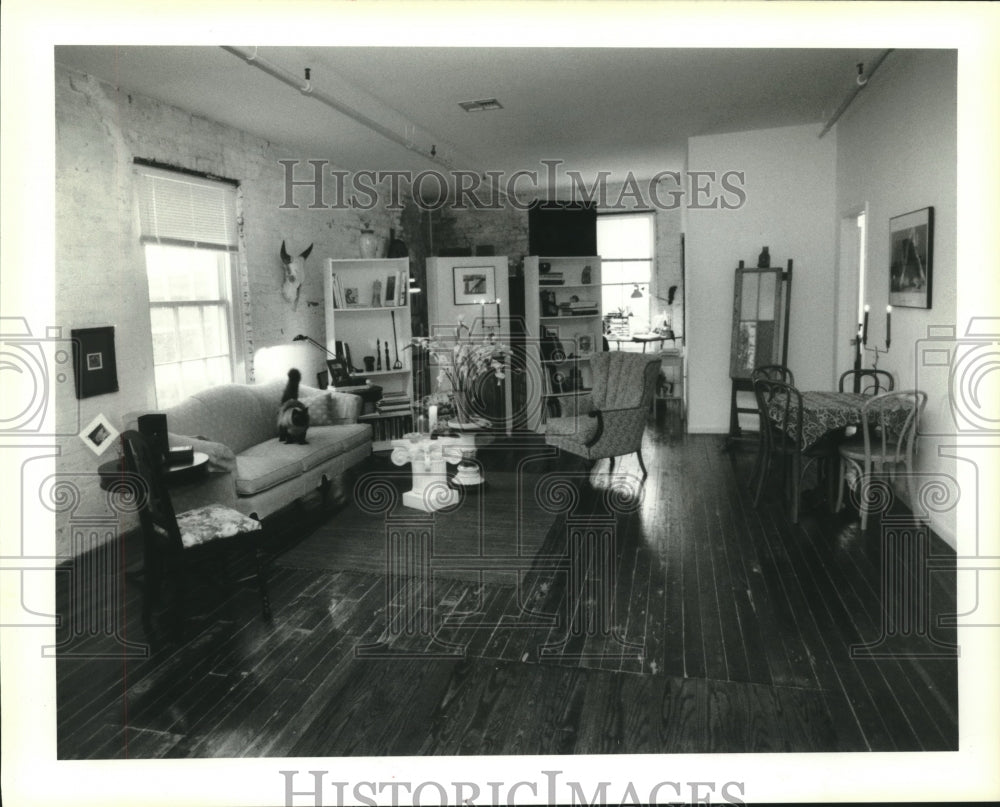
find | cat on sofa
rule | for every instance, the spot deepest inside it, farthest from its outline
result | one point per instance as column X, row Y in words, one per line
column 293, row 415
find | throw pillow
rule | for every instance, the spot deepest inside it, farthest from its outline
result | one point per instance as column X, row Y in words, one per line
column 319, row 410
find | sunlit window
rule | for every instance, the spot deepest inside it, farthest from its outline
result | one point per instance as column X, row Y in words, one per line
column 190, row 237
column 190, row 316
column 625, row 244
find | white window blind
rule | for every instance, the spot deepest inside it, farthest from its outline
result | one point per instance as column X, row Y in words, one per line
column 186, row 210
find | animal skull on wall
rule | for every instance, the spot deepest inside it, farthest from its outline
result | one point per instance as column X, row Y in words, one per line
column 294, row 271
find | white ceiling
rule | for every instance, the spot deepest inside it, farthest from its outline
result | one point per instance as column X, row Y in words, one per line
column 596, row 109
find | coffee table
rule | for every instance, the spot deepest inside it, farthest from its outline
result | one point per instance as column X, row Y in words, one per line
column 429, row 461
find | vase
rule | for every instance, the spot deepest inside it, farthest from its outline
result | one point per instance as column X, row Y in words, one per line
column 764, row 259
column 368, row 244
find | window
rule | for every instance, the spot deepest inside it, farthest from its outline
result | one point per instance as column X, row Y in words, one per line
column 190, row 238
column 625, row 244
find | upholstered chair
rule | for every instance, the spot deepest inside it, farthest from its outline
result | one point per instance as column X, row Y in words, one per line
column 609, row 420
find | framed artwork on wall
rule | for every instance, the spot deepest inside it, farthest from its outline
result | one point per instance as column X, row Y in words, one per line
column 474, row 284
column 96, row 372
column 911, row 255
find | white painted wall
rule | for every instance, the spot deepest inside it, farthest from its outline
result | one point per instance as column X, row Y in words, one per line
column 897, row 151
column 789, row 186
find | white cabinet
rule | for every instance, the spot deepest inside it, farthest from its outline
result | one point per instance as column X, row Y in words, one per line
column 562, row 304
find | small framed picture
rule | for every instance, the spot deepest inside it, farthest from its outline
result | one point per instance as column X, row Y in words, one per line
column 584, row 343
column 911, row 245
column 474, row 284
column 99, row 435
column 340, row 376
column 390, row 290
column 94, row 361
column 351, row 296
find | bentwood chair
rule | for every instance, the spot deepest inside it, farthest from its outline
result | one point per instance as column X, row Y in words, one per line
column 781, row 405
column 174, row 545
column 771, row 372
column 611, row 419
column 870, row 382
column 888, row 436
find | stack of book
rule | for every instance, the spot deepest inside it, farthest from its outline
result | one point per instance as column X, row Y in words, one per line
column 551, row 279
column 583, row 307
column 394, row 402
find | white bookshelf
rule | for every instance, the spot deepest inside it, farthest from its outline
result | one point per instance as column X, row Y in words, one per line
column 553, row 301
column 364, row 323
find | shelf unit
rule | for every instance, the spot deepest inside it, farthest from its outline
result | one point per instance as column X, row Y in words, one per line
column 548, row 311
column 366, row 329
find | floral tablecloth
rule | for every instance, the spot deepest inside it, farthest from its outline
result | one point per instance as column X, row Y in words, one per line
column 824, row 412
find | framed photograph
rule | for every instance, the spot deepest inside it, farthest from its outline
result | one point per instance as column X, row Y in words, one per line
column 473, row 284
column 585, row 343
column 95, row 371
column 340, row 376
column 99, row 435
column 911, row 252
column 351, row 296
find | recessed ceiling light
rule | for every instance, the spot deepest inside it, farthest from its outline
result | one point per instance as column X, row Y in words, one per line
column 483, row 105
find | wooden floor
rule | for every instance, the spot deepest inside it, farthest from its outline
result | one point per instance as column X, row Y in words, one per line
column 729, row 630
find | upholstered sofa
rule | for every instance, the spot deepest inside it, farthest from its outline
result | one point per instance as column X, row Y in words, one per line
column 249, row 469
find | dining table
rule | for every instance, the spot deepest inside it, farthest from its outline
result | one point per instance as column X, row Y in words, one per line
column 824, row 412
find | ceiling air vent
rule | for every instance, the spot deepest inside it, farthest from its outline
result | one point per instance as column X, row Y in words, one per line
column 485, row 105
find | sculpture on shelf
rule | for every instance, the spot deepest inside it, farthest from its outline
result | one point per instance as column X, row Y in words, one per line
column 294, row 270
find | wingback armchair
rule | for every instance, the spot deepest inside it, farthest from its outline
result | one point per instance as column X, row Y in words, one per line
column 610, row 419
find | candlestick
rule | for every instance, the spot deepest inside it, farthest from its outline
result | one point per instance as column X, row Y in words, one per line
column 432, row 415
column 888, row 326
column 498, row 311
column 482, row 312
column 864, row 327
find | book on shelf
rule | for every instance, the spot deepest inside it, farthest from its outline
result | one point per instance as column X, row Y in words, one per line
column 551, row 279
column 390, row 290
column 403, row 287
column 337, row 291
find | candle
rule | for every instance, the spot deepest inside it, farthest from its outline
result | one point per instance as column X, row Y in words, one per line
column 498, row 311
column 432, row 414
column 864, row 328
column 482, row 312
column 888, row 325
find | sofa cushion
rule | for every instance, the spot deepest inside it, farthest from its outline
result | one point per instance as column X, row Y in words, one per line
column 267, row 464
column 327, row 442
column 270, row 463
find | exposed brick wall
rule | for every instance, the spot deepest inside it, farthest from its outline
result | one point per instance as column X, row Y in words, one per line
column 100, row 270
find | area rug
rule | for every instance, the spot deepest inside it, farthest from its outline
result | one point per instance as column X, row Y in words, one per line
column 500, row 523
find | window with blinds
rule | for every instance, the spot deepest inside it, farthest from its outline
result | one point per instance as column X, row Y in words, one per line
column 188, row 228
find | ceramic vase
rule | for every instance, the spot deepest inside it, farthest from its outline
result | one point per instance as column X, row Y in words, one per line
column 368, row 244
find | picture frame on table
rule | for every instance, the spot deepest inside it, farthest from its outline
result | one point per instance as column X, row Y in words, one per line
column 585, row 343
column 474, row 284
column 340, row 375
column 911, row 258
column 95, row 368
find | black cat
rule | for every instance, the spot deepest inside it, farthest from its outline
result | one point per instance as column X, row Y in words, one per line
column 293, row 416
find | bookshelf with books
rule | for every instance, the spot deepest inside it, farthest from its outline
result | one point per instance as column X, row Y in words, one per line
column 563, row 315
column 368, row 326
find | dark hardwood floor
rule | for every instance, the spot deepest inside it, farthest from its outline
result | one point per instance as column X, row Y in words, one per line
column 701, row 625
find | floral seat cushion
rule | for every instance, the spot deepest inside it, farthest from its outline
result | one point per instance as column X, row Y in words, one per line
column 212, row 522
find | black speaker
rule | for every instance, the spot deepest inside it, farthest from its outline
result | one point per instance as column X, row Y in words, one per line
column 154, row 429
